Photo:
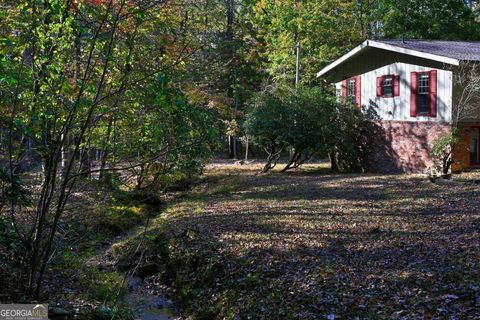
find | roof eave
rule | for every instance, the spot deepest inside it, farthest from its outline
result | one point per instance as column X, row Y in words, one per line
column 388, row 47
column 344, row 58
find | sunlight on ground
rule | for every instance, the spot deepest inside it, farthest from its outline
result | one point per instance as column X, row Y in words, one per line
column 372, row 245
column 255, row 166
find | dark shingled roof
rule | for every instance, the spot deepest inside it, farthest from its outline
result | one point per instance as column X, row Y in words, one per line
column 461, row 50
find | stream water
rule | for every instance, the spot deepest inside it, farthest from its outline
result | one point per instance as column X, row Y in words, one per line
column 147, row 302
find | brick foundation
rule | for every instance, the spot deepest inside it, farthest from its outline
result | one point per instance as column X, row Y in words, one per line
column 403, row 146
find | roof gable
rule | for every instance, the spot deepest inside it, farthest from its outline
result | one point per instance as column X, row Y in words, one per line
column 448, row 52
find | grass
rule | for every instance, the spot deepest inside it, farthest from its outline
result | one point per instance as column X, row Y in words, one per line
column 310, row 245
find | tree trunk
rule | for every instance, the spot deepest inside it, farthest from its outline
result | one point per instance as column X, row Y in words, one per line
column 333, row 162
column 229, row 54
column 102, row 175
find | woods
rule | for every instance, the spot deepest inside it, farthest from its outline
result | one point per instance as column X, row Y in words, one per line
column 61, row 111
column 122, row 102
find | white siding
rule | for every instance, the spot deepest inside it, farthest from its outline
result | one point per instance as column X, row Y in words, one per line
column 398, row 108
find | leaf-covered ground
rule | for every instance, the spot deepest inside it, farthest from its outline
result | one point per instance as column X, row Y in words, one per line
column 312, row 245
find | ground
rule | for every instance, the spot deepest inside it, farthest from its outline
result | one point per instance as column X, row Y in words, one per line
column 312, row 245
column 309, row 244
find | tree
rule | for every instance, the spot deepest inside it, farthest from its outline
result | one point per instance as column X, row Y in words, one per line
column 73, row 73
column 466, row 88
column 432, row 19
column 266, row 122
column 165, row 124
column 325, row 30
column 220, row 70
column 311, row 122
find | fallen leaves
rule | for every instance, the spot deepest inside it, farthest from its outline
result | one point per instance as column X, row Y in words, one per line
column 309, row 246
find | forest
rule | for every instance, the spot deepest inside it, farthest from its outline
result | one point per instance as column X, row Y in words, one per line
column 112, row 113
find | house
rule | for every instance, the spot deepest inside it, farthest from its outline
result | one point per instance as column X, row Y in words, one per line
column 412, row 87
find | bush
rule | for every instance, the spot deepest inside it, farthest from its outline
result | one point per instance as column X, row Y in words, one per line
column 310, row 122
column 312, row 130
column 441, row 153
column 266, row 123
column 354, row 140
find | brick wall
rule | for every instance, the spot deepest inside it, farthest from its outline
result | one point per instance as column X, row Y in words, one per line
column 403, row 146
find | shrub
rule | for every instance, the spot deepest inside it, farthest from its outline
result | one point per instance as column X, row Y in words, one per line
column 312, row 130
column 441, row 152
column 353, row 140
column 310, row 122
column 266, row 124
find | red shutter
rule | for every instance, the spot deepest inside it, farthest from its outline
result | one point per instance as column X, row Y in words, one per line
column 344, row 88
column 358, row 91
column 379, row 86
column 433, row 93
column 396, row 86
column 413, row 94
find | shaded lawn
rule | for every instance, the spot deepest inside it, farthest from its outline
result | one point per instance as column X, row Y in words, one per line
column 312, row 246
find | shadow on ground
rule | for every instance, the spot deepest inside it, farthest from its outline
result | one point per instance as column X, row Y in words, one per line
column 308, row 246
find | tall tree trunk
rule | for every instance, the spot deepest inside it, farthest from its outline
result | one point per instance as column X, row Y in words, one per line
column 229, row 55
column 231, row 147
column 246, row 148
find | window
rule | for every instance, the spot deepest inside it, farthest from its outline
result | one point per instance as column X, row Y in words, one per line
column 423, row 93
column 387, row 86
column 423, row 98
column 352, row 90
column 351, row 85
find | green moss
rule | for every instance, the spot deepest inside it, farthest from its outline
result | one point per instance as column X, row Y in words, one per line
column 117, row 219
column 101, row 285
